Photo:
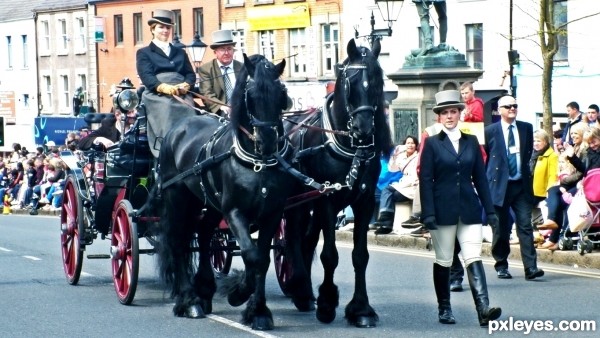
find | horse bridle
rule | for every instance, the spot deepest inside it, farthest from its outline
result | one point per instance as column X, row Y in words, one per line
column 362, row 69
column 255, row 122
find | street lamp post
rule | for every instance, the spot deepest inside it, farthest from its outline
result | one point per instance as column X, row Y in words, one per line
column 195, row 51
column 390, row 10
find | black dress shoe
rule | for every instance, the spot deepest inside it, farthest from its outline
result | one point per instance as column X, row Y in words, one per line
column 504, row 274
column 383, row 230
column 455, row 285
column 533, row 273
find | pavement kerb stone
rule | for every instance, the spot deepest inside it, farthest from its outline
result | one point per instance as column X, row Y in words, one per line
column 569, row 258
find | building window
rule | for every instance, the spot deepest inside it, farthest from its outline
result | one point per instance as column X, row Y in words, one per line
column 48, row 89
column 9, row 52
column 298, row 51
column 235, row 2
column 560, row 22
column 26, row 100
column 66, row 96
column 25, row 52
column 62, row 34
column 82, row 82
column 331, row 46
column 474, row 47
column 118, row 30
column 177, row 29
column 45, row 36
column 240, row 38
column 199, row 22
column 138, row 29
column 80, row 29
column 267, row 44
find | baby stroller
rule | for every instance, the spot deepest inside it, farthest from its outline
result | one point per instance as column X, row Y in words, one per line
column 588, row 237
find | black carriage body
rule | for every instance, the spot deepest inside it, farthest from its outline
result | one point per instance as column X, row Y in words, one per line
column 104, row 178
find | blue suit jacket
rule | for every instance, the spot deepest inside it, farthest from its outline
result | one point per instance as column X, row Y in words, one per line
column 446, row 181
column 151, row 60
column 497, row 165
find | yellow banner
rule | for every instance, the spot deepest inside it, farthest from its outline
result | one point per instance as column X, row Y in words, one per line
column 278, row 17
column 473, row 128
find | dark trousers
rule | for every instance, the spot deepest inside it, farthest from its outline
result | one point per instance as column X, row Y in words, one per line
column 556, row 210
column 521, row 203
column 389, row 197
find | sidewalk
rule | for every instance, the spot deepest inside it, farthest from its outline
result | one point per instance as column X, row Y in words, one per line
column 401, row 238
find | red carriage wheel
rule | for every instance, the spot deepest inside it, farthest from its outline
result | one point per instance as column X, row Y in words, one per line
column 221, row 253
column 124, row 252
column 71, row 231
column 283, row 269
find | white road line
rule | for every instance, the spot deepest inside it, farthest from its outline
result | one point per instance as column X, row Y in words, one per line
column 240, row 326
column 4, row 249
column 33, row 258
column 555, row 269
column 86, row 274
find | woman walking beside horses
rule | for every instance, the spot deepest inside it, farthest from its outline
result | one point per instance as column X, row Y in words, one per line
column 451, row 165
column 165, row 71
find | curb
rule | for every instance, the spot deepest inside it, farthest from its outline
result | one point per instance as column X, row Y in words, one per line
column 40, row 212
column 569, row 258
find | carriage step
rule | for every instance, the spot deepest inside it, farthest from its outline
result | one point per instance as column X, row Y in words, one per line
column 100, row 256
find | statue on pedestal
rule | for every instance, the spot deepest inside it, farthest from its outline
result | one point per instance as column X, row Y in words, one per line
column 442, row 55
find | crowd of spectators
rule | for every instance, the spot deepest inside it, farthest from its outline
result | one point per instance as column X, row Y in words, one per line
column 35, row 180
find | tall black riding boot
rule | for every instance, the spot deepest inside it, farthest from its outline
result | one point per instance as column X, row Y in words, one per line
column 480, row 294
column 441, row 281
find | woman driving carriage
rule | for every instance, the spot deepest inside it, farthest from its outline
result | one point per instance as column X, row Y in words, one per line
column 165, row 71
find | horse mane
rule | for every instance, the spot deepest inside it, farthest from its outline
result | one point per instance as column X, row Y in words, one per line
column 262, row 87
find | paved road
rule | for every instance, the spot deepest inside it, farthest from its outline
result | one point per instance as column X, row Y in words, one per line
column 36, row 301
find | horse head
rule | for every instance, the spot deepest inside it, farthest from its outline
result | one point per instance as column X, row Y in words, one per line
column 358, row 98
column 258, row 101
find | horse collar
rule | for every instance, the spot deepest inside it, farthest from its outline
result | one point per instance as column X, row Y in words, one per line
column 258, row 163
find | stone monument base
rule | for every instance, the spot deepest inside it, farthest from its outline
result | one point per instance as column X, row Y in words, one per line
column 418, row 81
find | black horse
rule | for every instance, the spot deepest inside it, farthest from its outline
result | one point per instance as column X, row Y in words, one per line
column 209, row 170
column 348, row 154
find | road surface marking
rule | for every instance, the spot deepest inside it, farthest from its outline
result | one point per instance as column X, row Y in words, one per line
column 4, row 249
column 33, row 258
column 240, row 326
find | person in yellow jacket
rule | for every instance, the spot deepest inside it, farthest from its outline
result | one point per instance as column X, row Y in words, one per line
column 544, row 169
column 543, row 164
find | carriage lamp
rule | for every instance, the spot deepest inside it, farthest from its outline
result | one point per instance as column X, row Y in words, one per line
column 125, row 100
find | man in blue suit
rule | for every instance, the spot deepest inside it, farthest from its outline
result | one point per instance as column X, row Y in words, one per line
column 509, row 144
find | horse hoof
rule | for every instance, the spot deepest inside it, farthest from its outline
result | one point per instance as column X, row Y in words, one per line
column 304, row 305
column 365, row 322
column 194, row 311
column 234, row 300
column 262, row 324
column 206, row 306
column 325, row 316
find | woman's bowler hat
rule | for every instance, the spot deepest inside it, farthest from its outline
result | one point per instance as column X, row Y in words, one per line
column 162, row 16
column 447, row 99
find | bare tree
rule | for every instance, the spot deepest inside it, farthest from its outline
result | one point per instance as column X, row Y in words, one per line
column 548, row 33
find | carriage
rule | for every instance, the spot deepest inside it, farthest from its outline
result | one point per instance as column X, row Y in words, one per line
column 105, row 196
column 102, row 190
column 247, row 192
